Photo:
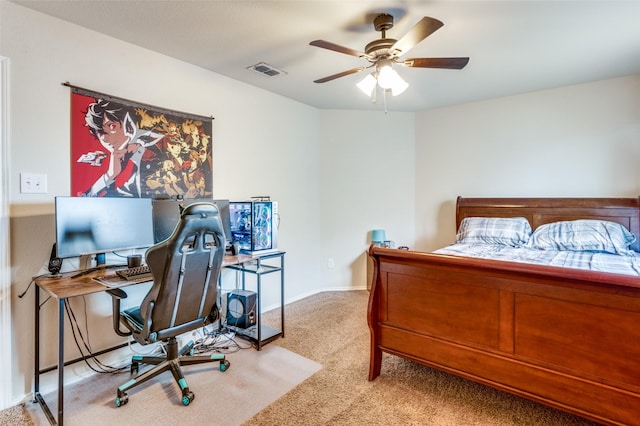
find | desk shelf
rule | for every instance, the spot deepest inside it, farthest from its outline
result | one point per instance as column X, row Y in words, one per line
column 261, row 334
column 267, row 334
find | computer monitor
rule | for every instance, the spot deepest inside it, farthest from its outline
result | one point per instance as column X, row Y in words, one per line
column 87, row 225
column 166, row 214
column 223, row 208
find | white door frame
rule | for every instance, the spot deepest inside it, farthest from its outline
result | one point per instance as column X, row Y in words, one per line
column 5, row 264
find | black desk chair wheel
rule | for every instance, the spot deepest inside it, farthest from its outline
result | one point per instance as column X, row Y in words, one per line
column 183, row 297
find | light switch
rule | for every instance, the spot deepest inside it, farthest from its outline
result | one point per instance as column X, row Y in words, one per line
column 32, row 183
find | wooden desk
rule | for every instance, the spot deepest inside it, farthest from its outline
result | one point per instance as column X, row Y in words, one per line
column 61, row 287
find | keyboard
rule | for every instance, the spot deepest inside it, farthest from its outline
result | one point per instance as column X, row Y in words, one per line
column 137, row 274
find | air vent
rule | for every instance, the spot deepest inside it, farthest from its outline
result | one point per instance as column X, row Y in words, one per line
column 265, row 69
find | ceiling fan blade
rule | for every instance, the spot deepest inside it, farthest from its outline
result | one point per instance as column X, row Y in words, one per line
column 340, row 74
column 449, row 63
column 337, row 48
column 423, row 29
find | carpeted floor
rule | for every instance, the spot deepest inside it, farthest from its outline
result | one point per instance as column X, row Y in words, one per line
column 17, row 415
column 331, row 329
column 253, row 381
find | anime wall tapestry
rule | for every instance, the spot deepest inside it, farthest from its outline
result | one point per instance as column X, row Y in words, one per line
column 124, row 149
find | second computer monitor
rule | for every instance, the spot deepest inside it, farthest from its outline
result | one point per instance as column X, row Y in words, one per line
column 225, row 217
column 166, row 214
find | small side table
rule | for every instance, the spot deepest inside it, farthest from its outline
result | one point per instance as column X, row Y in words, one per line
column 263, row 264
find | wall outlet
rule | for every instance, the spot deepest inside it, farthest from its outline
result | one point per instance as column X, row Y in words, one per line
column 330, row 263
column 31, row 183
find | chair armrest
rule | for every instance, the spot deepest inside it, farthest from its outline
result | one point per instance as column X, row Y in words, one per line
column 116, row 295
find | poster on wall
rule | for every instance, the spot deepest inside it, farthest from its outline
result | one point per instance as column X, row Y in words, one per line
column 121, row 148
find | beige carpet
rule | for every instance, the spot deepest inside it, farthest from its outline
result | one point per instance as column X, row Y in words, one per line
column 17, row 415
column 254, row 380
column 331, row 329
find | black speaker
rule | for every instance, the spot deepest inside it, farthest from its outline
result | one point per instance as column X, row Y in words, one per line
column 55, row 263
column 241, row 308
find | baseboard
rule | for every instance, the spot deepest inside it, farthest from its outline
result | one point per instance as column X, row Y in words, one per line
column 79, row 370
column 313, row 293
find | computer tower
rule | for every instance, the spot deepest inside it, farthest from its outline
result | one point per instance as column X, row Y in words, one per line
column 254, row 225
column 241, row 308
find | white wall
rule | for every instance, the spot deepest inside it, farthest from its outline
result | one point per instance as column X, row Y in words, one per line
column 263, row 144
column 576, row 141
column 367, row 182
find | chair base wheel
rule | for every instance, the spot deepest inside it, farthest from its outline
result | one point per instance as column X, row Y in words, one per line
column 187, row 398
column 224, row 365
column 122, row 400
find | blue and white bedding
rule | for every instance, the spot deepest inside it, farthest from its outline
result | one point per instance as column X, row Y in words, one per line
column 593, row 261
column 594, row 245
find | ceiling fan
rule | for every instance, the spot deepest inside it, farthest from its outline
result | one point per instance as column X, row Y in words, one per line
column 385, row 52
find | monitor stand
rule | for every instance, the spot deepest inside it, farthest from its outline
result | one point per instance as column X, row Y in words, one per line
column 85, row 262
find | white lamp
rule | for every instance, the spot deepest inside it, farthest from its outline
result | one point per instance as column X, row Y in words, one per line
column 399, row 86
column 367, row 85
column 386, row 77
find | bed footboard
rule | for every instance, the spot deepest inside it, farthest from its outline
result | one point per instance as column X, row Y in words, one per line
column 566, row 338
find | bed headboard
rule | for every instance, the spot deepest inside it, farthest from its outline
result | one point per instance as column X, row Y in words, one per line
column 625, row 211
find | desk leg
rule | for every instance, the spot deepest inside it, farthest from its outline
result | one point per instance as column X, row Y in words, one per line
column 36, row 380
column 36, row 366
column 282, row 294
column 259, row 307
column 60, row 359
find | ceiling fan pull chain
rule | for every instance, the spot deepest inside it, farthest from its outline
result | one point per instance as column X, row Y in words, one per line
column 384, row 99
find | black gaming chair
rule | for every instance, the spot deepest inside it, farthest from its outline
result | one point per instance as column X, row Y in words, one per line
column 183, row 297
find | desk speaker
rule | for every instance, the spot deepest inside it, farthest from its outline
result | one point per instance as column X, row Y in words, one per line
column 55, row 263
column 241, row 308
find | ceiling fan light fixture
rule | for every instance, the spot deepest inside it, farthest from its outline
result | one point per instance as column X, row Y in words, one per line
column 399, row 86
column 367, row 84
column 389, row 79
column 384, row 52
column 387, row 76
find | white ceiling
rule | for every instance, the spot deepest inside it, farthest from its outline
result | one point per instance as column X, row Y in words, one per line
column 514, row 46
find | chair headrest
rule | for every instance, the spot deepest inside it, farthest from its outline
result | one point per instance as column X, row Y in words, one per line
column 203, row 209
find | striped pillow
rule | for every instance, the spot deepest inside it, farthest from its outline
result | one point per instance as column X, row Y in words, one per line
column 508, row 231
column 583, row 235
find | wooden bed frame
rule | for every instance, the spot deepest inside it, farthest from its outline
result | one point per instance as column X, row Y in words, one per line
column 566, row 338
